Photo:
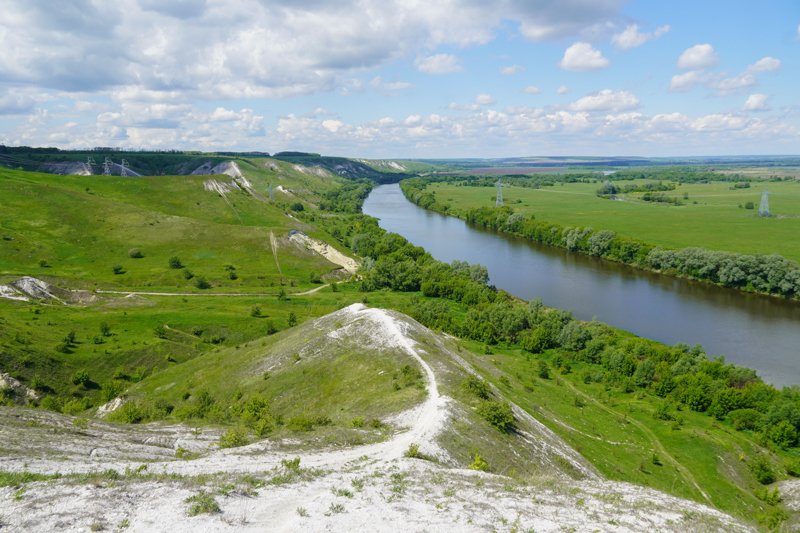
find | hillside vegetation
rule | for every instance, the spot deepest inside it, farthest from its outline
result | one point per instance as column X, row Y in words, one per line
column 242, row 359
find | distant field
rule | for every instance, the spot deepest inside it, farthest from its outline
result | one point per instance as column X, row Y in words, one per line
column 711, row 217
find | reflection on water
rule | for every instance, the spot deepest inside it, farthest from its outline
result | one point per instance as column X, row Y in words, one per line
column 755, row 331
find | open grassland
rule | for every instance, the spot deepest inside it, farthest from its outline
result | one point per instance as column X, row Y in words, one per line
column 712, row 217
column 80, row 228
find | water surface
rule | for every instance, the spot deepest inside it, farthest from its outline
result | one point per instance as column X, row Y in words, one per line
column 755, row 331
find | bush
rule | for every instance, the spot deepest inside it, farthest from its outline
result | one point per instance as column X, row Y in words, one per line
column 255, row 311
column 135, row 253
column 478, row 463
column 202, row 283
column 175, row 262
column 201, row 503
column 762, row 470
column 297, row 207
column 234, row 438
column 498, row 414
column 81, row 377
column 117, row 269
column 476, row 386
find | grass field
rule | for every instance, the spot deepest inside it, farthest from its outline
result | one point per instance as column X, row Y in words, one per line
column 710, row 218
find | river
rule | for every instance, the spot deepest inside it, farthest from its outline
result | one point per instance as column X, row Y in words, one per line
column 751, row 330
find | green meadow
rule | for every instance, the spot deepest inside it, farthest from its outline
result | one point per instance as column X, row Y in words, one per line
column 712, row 216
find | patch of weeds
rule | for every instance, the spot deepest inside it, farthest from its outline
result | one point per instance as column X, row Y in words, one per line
column 399, row 484
column 479, row 463
column 290, row 471
column 358, row 422
column 97, row 526
column 358, row 483
column 344, row 493
column 301, row 511
column 19, row 494
column 186, row 455
column 335, row 508
column 202, row 503
column 15, row 479
column 124, row 524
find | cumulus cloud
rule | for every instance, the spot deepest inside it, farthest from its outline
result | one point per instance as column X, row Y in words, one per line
column 699, row 56
column 631, row 37
column 562, row 89
column 687, row 80
column 484, row 99
column 438, row 64
column 582, row 57
column 606, row 100
column 379, row 83
column 532, row 89
column 756, row 102
column 765, row 64
column 511, row 70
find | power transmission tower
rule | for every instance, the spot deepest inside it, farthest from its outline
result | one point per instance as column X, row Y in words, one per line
column 123, row 168
column 763, row 208
column 90, row 165
column 499, row 201
column 107, row 167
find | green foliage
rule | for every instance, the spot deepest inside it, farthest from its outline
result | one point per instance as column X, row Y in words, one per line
column 476, row 386
column 201, row 282
column 135, row 253
column 761, row 468
column 234, row 438
column 478, row 463
column 175, row 262
column 81, row 377
column 202, row 503
column 498, row 414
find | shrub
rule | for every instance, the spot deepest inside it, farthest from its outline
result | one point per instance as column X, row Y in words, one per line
column 135, row 253
column 160, row 331
column 80, row 377
column 201, row 503
column 297, row 207
column 255, row 311
column 234, row 438
column 188, row 274
column 358, row 422
column 412, row 451
column 478, row 463
column 291, row 319
column 762, row 470
column 175, row 262
column 117, row 269
column 498, row 414
column 476, row 386
column 202, row 283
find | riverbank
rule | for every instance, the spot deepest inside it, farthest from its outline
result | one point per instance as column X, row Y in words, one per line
column 770, row 275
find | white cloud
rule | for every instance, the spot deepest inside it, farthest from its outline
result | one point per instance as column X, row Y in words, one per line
column 765, row 64
column 484, row 99
column 699, row 56
column 511, row 70
column 756, row 102
column 687, row 80
column 438, row 64
column 378, row 83
column 532, row 89
column 631, row 37
column 606, row 100
column 582, row 57
column 562, row 89
column 332, row 125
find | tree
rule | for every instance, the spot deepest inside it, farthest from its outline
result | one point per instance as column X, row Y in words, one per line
column 105, row 329
column 292, row 319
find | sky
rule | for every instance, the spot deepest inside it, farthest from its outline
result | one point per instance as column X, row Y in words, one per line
column 404, row 78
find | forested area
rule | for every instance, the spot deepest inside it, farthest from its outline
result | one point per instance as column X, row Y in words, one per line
column 769, row 274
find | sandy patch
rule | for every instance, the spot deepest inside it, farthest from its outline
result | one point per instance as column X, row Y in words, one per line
column 325, row 250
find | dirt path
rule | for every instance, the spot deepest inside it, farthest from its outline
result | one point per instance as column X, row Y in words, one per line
column 273, row 242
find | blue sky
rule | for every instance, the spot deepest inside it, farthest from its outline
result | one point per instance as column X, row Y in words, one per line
column 380, row 79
